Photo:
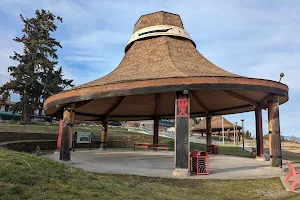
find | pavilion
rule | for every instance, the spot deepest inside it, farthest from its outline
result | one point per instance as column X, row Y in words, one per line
column 216, row 126
column 163, row 70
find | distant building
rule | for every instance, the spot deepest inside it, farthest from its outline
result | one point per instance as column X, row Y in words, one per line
column 6, row 113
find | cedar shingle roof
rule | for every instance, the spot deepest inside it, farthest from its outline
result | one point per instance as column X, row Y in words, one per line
column 161, row 57
column 216, row 124
column 157, row 66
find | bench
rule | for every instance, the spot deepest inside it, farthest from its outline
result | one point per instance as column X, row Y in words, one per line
column 254, row 152
column 161, row 147
column 142, row 146
column 292, row 172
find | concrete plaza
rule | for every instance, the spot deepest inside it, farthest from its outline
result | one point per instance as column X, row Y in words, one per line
column 161, row 164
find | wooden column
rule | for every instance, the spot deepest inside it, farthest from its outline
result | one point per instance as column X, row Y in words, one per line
column 67, row 133
column 228, row 133
column 259, row 132
column 208, row 132
column 103, row 135
column 182, row 139
column 274, row 132
column 156, row 120
column 155, row 131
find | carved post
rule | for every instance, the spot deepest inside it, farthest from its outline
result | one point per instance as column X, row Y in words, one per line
column 259, row 132
column 182, row 139
column 274, row 132
column 208, row 132
column 67, row 133
column 103, row 135
column 155, row 131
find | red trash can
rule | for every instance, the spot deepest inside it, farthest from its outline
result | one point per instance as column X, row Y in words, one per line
column 216, row 149
column 199, row 163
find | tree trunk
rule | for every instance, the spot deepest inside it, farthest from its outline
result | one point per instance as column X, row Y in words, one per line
column 26, row 114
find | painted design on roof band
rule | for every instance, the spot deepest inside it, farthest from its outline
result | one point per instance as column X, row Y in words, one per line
column 159, row 30
column 155, row 31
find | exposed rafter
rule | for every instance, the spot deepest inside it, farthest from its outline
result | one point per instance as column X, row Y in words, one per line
column 200, row 103
column 114, row 107
column 87, row 114
column 241, row 97
column 231, row 108
column 263, row 101
column 82, row 103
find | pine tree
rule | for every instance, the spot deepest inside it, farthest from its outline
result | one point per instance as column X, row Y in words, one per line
column 35, row 77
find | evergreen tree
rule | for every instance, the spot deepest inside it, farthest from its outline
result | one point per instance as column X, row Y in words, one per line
column 248, row 135
column 35, row 77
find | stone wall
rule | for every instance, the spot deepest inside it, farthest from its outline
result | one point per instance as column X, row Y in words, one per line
column 30, row 145
column 17, row 136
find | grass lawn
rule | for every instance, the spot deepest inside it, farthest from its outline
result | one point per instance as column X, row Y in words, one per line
column 24, row 176
column 287, row 155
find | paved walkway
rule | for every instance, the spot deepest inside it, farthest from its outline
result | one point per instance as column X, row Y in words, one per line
column 161, row 164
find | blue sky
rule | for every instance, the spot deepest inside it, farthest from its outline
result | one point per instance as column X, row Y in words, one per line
column 255, row 38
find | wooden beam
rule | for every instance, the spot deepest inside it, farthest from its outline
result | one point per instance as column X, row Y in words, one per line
column 274, row 132
column 67, row 133
column 241, row 97
column 259, row 132
column 82, row 103
column 157, row 104
column 103, row 135
column 156, row 120
column 200, row 103
column 87, row 114
column 231, row 108
column 114, row 107
column 208, row 133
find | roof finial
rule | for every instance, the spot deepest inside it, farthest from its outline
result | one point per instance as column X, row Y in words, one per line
column 281, row 75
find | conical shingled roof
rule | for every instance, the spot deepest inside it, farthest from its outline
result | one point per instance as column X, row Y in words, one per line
column 216, row 124
column 161, row 59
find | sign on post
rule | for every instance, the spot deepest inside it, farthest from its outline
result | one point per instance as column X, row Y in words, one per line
column 84, row 137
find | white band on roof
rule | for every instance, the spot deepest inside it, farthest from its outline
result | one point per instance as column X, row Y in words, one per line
column 159, row 30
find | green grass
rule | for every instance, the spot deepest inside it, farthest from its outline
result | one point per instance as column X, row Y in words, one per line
column 219, row 138
column 24, row 176
column 287, row 155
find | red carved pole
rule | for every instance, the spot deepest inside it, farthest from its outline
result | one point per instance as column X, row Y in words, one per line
column 182, row 142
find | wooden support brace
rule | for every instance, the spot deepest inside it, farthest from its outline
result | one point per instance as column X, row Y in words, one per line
column 114, row 107
column 241, row 97
column 200, row 103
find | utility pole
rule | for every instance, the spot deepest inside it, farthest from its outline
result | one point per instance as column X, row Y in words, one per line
column 243, row 134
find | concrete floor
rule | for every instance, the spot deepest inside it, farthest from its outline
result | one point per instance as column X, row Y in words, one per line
column 161, row 164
